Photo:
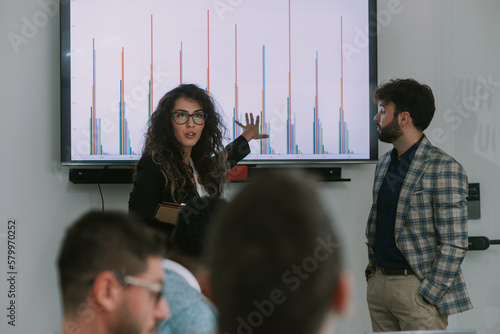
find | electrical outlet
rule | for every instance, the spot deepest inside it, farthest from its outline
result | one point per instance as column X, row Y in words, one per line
column 474, row 202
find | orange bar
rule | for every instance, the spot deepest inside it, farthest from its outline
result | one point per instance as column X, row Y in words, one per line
column 151, row 71
column 236, row 133
column 208, row 51
column 93, row 98
column 123, row 101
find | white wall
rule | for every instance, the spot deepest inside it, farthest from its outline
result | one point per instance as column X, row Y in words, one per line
column 34, row 189
column 476, row 121
column 436, row 42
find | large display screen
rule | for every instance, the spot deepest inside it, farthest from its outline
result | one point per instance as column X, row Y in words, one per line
column 306, row 68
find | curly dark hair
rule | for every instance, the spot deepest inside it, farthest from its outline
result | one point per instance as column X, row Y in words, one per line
column 408, row 95
column 208, row 155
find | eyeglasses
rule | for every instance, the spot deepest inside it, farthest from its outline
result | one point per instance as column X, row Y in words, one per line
column 156, row 288
column 182, row 117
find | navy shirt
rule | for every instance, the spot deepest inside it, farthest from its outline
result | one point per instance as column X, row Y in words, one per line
column 387, row 254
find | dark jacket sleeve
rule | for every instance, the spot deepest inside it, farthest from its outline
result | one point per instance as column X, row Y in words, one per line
column 237, row 150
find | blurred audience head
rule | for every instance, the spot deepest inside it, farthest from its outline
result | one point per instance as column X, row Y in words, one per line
column 275, row 258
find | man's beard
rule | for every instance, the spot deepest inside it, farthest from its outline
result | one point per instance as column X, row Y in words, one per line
column 127, row 323
column 391, row 132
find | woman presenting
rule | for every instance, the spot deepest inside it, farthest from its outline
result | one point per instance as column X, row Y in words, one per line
column 183, row 154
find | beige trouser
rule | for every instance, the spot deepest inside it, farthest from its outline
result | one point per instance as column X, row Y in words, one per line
column 395, row 304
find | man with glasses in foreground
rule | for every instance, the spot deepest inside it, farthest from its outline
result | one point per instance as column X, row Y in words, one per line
column 111, row 276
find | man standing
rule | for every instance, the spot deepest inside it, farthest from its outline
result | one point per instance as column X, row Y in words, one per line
column 417, row 227
column 111, row 276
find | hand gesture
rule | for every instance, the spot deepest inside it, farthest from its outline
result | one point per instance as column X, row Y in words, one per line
column 251, row 129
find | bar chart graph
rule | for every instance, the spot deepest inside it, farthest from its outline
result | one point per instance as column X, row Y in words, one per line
column 283, row 61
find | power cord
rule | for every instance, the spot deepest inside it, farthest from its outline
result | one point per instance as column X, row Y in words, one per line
column 99, row 186
column 102, row 198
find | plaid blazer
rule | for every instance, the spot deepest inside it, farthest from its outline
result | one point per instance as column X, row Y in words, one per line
column 431, row 225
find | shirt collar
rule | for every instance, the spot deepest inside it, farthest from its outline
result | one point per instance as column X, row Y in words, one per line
column 201, row 189
column 181, row 271
column 408, row 155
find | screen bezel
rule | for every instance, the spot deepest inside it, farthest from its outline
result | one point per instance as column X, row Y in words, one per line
column 65, row 112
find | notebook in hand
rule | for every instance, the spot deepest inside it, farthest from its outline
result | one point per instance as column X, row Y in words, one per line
column 167, row 212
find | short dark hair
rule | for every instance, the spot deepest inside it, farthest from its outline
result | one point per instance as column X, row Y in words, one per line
column 274, row 257
column 100, row 241
column 193, row 223
column 408, row 95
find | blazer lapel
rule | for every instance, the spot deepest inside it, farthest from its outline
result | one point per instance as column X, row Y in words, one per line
column 417, row 168
column 380, row 174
